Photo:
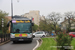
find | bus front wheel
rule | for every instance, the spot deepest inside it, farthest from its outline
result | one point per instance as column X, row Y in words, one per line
column 14, row 41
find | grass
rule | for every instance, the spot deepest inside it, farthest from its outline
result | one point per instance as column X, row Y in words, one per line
column 47, row 44
column 73, row 43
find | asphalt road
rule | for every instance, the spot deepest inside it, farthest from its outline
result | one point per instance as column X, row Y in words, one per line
column 19, row 45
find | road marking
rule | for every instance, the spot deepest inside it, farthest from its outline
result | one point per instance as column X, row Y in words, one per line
column 36, row 45
column 36, row 38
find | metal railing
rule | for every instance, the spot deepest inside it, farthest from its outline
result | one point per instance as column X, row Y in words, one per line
column 4, row 37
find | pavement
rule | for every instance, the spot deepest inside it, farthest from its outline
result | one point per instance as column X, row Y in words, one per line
column 19, row 45
column 2, row 39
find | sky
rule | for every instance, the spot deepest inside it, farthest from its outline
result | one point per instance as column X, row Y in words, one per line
column 44, row 6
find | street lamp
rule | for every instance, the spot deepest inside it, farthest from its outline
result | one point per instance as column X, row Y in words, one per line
column 11, row 8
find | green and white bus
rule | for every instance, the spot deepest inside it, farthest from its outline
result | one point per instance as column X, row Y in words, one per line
column 21, row 29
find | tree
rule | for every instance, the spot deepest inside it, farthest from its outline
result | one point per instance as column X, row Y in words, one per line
column 35, row 27
column 2, row 15
column 70, row 16
column 54, row 17
column 45, row 25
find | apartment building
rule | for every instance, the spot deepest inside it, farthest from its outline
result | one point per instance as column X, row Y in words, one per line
column 64, row 24
column 35, row 15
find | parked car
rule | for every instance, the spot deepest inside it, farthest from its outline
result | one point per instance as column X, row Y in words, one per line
column 39, row 34
column 72, row 34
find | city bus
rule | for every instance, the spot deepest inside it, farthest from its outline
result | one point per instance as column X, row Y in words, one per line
column 21, row 29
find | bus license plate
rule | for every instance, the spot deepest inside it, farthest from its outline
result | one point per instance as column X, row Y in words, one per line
column 21, row 39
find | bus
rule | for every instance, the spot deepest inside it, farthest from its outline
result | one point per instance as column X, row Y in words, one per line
column 21, row 29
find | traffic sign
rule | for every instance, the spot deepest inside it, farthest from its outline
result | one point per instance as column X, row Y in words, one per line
column 2, row 25
column 2, row 22
column 2, row 19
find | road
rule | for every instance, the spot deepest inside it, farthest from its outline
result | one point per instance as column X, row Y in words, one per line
column 19, row 45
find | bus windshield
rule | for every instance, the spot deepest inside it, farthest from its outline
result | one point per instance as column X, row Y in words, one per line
column 21, row 27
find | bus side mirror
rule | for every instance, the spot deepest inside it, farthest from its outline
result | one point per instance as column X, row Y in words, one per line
column 8, row 23
column 32, row 24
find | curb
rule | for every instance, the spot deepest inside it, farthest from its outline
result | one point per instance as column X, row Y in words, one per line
column 4, row 42
column 38, row 44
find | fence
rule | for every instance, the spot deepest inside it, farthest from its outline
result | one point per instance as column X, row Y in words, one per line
column 4, row 37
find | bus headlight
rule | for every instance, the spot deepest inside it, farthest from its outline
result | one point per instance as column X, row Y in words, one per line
column 12, row 36
column 29, row 36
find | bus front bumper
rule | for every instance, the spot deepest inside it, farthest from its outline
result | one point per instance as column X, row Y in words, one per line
column 21, row 39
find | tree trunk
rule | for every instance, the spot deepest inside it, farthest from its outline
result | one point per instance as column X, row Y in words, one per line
column 69, row 25
column 55, row 27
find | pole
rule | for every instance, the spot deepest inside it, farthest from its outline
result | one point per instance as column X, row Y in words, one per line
column 2, row 29
column 3, row 34
column 11, row 8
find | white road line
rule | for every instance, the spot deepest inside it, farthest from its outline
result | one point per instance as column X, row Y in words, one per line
column 36, row 38
column 36, row 45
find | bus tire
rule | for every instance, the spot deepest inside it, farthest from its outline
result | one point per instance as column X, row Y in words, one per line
column 14, row 41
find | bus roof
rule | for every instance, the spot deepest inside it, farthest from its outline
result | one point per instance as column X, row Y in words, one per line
column 20, row 18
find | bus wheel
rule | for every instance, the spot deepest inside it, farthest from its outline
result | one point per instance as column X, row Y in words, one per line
column 14, row 41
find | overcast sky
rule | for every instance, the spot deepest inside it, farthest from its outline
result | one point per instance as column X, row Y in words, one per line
column 44, row 6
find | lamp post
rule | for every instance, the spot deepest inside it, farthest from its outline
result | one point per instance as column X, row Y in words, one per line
column 2, row 22
column 12, row 8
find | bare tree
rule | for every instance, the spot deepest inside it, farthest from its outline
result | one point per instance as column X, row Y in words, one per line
column 54, row 17
column 44, row 24
column 43, row 21
column 70, row 16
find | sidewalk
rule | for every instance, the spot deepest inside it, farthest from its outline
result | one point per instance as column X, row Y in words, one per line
column 2, row 40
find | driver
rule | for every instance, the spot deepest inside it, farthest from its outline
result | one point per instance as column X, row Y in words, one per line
column 17, row 30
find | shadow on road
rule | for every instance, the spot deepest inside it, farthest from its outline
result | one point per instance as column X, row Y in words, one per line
column 22, row 42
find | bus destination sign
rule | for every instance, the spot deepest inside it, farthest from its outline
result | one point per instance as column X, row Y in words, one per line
column 20, row 21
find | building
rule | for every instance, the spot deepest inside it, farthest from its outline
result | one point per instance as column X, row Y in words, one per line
column 64, row 24
column 8, row 17
column 42, row 17
column 32, row 14
column 35, row 15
